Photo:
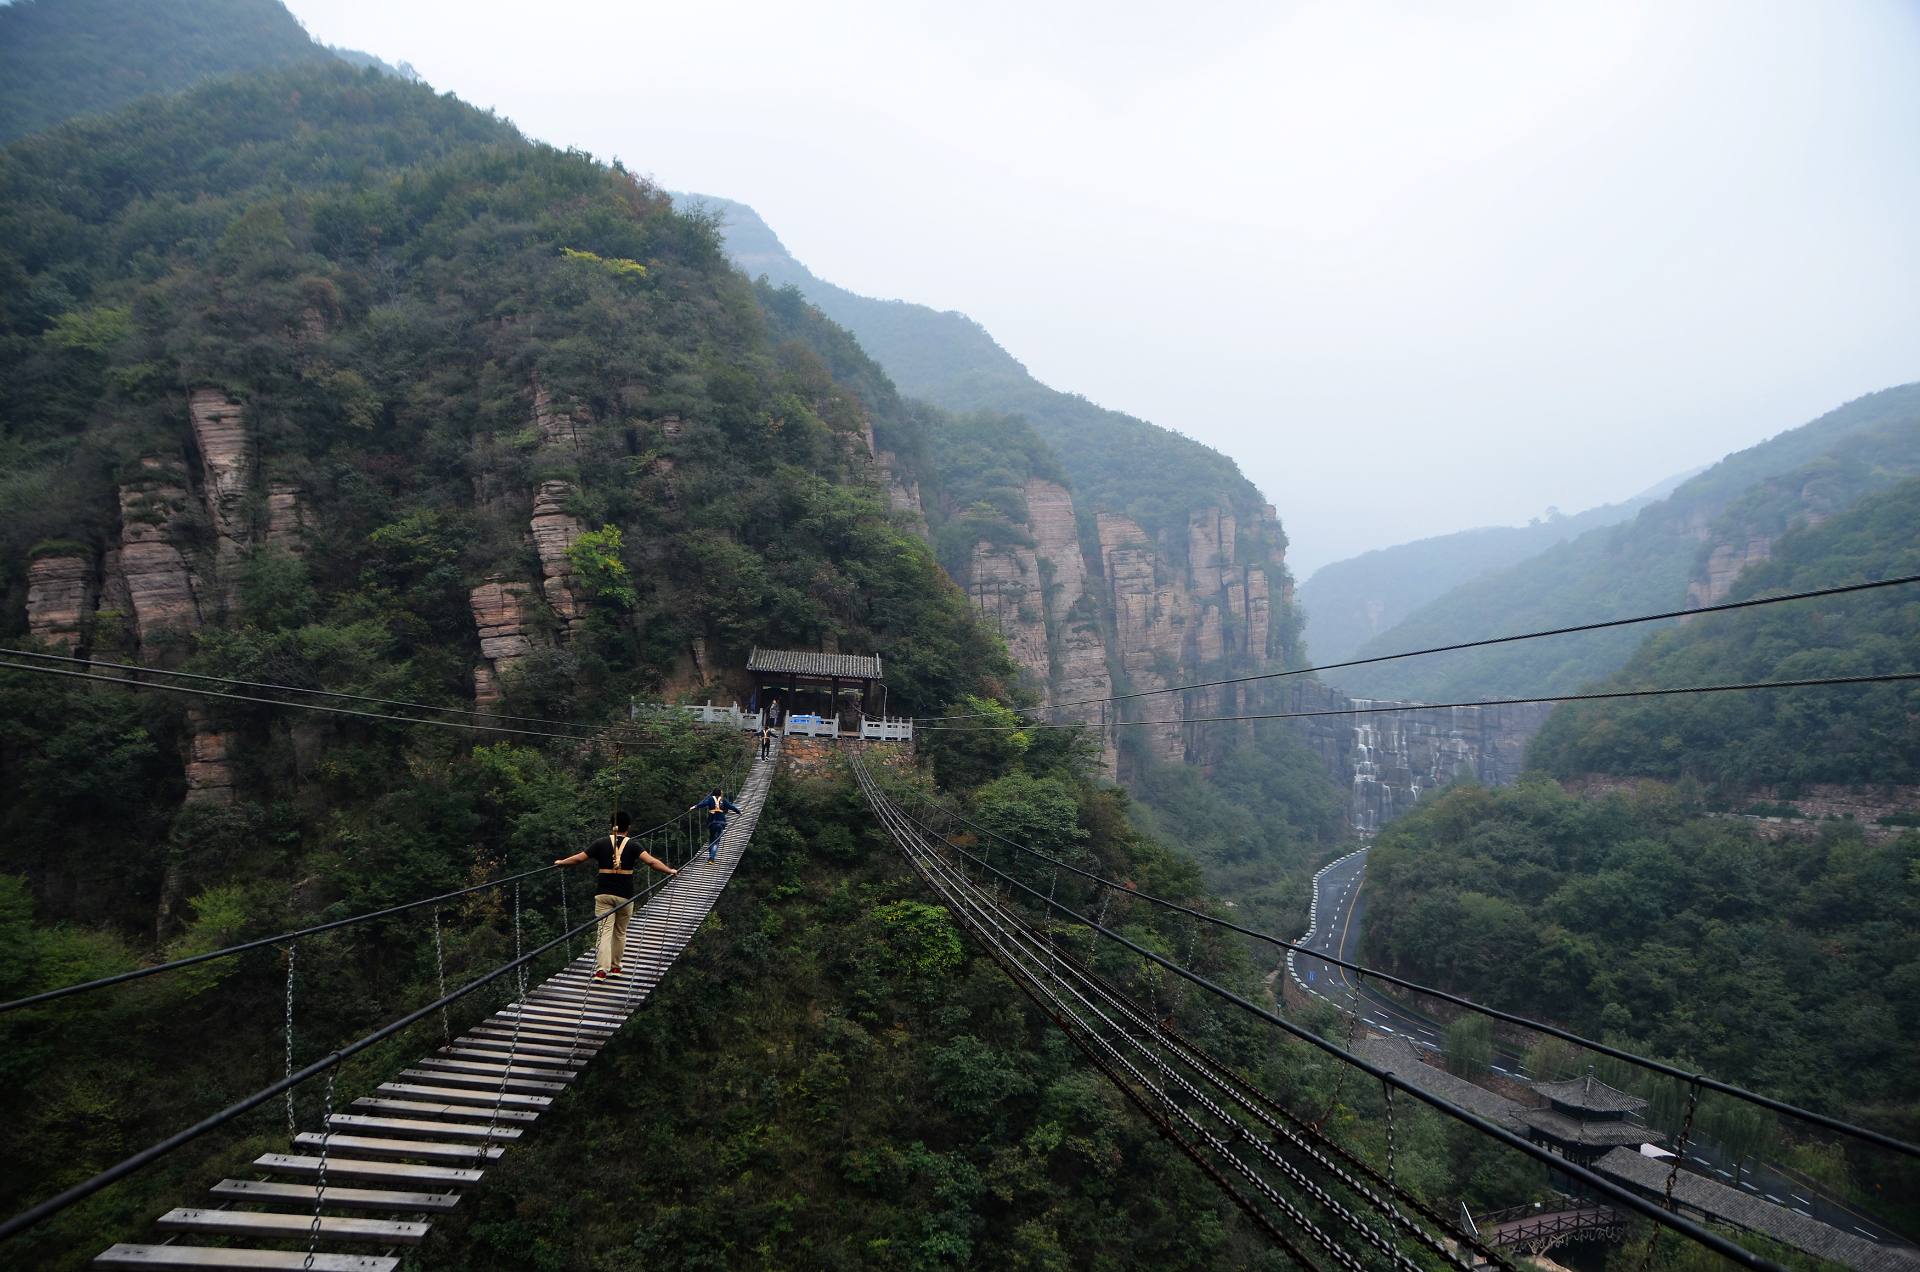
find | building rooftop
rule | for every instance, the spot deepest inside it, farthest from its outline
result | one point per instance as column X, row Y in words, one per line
column 1573, row 1130
column 1589, row 1094
column 1809, row 1235
column 807, row 662
column 1400, row 1058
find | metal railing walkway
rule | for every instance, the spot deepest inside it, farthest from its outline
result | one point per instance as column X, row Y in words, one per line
column 407, row 1152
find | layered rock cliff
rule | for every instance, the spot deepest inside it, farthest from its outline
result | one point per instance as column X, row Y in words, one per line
column 150, row 565
column 60, row 598
column 226, row 478
column 1389, row 760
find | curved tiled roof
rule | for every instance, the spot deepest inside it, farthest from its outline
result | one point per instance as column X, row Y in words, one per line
column 1591, row 1094
column 807, row 662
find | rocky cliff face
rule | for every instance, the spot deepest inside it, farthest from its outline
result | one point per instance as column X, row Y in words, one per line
column 286, row 518
column 503, row 613
column 1076, row 636
column 1005, row 584
column 151, row 566
column 1723, row 566
column 1389, row 761
column 554, row 531
column 226, row 477
column 60, row 599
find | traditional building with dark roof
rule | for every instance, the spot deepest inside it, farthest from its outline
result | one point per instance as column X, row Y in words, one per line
column 838, row 687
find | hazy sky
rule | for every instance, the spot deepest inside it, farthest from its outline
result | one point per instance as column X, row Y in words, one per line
column 1417, row 266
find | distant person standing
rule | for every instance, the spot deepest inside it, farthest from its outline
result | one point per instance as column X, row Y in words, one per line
column 716, row 806
column 615, row 856
column 766, row 740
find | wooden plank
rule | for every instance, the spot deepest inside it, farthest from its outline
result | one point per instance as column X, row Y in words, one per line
column 435, row 1108
column 458, row 1095
column 178, row 1256
column 412, row 1128
column 481, row 1082
column 586, row 1040
column 273, row 1223
column 405, row 1150
column 370, row 1172
column 552, row 1057
column 343, row 1198
column 497, row 1067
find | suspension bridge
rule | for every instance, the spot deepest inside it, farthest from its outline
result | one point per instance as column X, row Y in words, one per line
column 367, row 1182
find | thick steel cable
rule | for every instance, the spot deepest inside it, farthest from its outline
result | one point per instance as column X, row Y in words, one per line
column 1149, row 1028
column 1594, row 1180
column 1822, row 1120
column 154, row 1152
column 122, row 977
column 298, row 706
column 1238, row 1091
column 1483, row 643
column 1815, row 682
column 1036, row 946
column 286, row 688
column 1061, row 1012
column 139, row 972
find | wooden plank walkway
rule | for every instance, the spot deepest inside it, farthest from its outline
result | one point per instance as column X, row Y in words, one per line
column 421, row 1140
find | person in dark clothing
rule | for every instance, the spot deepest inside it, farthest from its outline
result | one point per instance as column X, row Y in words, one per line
column 716, row 806
column 615, row 856
column 766, row 740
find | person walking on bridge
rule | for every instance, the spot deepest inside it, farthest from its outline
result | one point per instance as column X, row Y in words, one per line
column 615, row 856
column 716, row 806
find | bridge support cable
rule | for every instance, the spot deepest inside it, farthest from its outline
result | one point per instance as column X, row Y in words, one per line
column 450, row 1080
column 1600, row 625
column 1824, row 1121
column 1086, row 1004
column 1596, row 1182
column 971, row 908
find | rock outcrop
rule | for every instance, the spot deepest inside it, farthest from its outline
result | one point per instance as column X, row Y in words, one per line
column 1149, row 624
column 558, row 426
column 1079, row 674
column 1005, row 584
column 151, row 567
column 286, row 517
column 503, row 614
column 1723, row 566
column 209, row 769
column 555, row 530
column 60, row 598
column 1389, row 760
column 226, row 470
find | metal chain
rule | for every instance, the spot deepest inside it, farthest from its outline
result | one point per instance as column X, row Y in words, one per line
column 1340, row 1082
column 440, row 974
column 520, row 972
column 320, row 1183
column 292, row 1125
column 1673, row 1172
column 1093, row 932
column 1389, row 1092
column 1053, row 955
column 566, row 910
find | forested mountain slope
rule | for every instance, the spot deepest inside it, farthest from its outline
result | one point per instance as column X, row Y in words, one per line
column 1349, row 602
column 1116, row 463
column 1685, row 548
column 1847, row 736
column 62, row 58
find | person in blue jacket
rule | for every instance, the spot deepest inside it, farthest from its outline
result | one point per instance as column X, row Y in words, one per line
column 716, row 806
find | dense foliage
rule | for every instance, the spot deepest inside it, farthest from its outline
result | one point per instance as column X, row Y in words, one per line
column 1644, row 565
column 61, row 58
column 1791, row 965
column 1852, row 736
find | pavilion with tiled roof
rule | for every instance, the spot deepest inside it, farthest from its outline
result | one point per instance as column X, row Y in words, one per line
column 1585, row 1118
column 818, row 683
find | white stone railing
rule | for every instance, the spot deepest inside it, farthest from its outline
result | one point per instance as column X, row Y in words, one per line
column 882, row 729
column 705, row 713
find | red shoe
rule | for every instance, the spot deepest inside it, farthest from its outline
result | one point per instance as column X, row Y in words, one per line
column 613, row 971
column 599, row 975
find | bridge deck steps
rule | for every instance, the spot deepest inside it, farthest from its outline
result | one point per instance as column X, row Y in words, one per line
column 435, row 1126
